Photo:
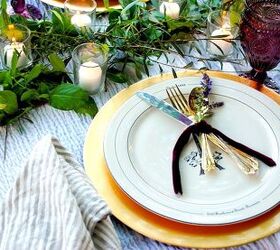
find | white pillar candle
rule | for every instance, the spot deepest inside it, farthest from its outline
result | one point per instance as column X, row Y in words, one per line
column 225, row 46
column 90, row 75
column 171, row 9
column 9, row 52
column 81, row 20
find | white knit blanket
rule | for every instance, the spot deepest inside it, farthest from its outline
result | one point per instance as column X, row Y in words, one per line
column 52, row 205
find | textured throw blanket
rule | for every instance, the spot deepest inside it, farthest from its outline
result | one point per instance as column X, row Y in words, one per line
column 53, row 205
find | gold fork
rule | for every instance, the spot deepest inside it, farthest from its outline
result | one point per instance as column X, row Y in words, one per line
column 247, row 164
column 179, row 101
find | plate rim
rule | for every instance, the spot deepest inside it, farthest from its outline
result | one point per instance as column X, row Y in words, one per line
column 148, row 223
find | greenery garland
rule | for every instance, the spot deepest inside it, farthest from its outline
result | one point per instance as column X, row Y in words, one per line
column 135, row 34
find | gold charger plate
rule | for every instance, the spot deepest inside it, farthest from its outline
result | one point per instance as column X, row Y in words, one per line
column 100, row 7
column 148, row 223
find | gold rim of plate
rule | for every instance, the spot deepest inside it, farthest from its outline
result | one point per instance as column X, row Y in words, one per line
column 148, row 223
column 60, row 4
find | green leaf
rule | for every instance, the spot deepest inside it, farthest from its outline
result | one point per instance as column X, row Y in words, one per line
column 2, row 116
column 189, row 65
column 72, row 97
column 118, row 77
column 217, row 46
column 43, row 88
column 34, row 73
column 174, row 73
column 104, row 48
column 160, row 69
column 180, row 25
column 14, row 63
column 146, row 67
column 130, row 8
column 88, row 108
column 68, row 96
column 2, row 106
column 29, row 95
column 45, row 97
column 178, row 49
column 57, row 20
column 4, row 17
column 5, row 78
column 8, row 98
column 3, row 4
column 153, row 34
column 3, row 75
column 56, row 62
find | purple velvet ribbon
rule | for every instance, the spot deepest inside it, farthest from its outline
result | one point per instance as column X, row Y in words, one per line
column 204, row 127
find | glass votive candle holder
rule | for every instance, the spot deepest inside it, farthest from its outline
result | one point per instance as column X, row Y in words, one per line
column 90, row 66
column 170, row 8
column 15, row 38
column 82, row 12
column 220, row 32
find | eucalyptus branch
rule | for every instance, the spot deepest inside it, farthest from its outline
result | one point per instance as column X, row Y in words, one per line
column 137, row 35
column 186, row 55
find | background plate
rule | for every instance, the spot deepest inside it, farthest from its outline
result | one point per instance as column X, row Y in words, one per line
column 148, row 223
column 100, row 6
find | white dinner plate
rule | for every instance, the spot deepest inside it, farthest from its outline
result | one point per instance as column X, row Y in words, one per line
column 138, row 149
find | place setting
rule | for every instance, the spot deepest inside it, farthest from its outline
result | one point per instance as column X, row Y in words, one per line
column 171, row 108
column 137, row 142
column 138, row 146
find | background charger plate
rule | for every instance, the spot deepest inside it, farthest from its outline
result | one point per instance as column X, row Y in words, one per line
column 60, row 4
column 148, row 223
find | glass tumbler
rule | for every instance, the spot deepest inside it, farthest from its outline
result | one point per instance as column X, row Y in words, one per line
column 82, row 12
column 221, row 29
column 170, row 8
column 15, row 38
column 90, row 66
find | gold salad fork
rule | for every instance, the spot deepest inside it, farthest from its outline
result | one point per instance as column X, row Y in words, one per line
column 246, row 163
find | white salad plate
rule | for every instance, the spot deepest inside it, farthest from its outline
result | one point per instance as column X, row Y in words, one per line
column 138, row 150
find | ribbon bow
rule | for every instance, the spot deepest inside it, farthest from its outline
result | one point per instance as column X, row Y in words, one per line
column 204, row 127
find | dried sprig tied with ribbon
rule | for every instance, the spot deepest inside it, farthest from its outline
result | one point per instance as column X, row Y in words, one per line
column 200, row 108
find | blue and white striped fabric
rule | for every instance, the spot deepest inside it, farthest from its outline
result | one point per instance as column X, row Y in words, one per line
column 53, row 205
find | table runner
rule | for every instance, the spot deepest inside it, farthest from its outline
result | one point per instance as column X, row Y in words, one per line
column 70, row 128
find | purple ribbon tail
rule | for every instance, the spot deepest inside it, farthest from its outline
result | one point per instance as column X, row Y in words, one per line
column 204, row 127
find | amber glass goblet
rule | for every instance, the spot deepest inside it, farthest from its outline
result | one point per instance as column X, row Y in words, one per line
column 260, row 38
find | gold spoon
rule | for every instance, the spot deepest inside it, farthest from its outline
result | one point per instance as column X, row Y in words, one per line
column 199, row 103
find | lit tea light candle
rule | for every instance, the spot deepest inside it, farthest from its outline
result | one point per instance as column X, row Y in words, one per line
column 9, row 52
column 90, row 75
column 81, row 20
column 170, row 8
column 220, row 46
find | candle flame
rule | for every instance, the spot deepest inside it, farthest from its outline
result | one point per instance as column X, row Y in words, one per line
column 226, row 21
column 13, row 40
column 11, row 26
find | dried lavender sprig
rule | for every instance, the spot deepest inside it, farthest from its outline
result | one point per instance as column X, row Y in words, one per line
column 216, row 105
column 206, row 83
